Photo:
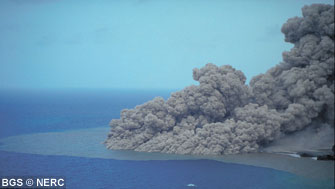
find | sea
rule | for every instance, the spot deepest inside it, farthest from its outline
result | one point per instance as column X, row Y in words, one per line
column 60, row 133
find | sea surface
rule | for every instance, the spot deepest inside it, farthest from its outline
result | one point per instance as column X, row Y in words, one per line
column 60, row 133
column 27, row 111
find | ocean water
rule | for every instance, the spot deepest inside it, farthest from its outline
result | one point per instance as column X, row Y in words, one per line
column 108, row 173
column 54, row 134
column 24, row 111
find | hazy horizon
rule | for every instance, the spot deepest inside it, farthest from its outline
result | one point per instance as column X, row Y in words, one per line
column 136, row 44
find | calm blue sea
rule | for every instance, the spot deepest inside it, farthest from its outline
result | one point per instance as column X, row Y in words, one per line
column 108, row 173
column 23, row 112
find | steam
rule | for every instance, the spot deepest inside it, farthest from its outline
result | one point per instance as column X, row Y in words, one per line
column 223, row 115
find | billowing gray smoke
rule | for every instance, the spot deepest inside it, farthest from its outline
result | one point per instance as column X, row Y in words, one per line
column 223, row 115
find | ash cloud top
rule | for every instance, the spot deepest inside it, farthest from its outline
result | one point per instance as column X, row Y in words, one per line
column 223, row 115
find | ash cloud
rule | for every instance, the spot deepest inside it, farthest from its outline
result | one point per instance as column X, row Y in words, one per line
column 223, row 115
column 314, row 138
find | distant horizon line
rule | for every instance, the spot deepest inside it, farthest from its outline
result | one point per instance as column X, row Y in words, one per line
column 87, row 88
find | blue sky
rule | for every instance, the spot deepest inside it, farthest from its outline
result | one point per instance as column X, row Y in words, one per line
column 136, row 44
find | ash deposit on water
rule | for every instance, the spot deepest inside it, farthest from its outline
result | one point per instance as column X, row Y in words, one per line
column 224, row 115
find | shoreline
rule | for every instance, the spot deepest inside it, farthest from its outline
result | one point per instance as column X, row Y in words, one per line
column 88, row 143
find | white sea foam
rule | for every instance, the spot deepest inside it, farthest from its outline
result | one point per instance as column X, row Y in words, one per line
column 191, row 185
column 294, row 155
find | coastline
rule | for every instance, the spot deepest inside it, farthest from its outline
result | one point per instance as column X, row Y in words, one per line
column 88, row 143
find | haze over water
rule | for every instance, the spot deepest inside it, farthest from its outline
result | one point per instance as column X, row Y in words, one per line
column 68, row 67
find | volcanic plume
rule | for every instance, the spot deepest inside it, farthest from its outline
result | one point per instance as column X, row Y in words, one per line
column 223, row 115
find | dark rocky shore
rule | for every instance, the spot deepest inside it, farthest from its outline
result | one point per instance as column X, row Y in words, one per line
column 320, row 156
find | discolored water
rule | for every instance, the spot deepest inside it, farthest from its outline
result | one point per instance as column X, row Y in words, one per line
column 30, row 146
